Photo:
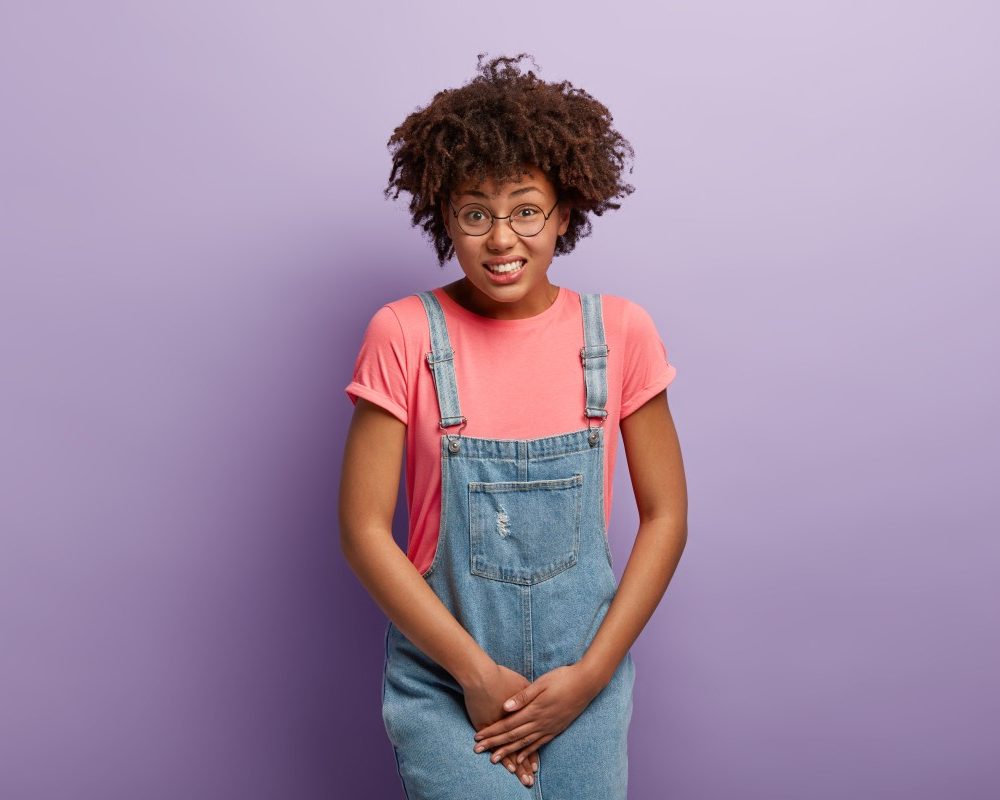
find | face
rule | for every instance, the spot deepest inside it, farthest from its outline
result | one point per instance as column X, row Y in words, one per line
column 526, row 291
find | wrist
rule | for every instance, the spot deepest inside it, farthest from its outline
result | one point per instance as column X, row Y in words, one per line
column 594, row 673
column 475, row 671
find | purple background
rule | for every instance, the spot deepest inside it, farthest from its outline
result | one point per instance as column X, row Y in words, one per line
column 193, row 237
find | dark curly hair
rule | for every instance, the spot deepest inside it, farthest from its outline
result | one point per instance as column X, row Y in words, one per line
column 495, row 124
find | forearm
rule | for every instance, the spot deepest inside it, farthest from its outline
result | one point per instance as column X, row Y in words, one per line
column 655, row 554
column 406, row 598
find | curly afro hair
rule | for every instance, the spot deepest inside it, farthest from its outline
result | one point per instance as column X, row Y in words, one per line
column 492, row 127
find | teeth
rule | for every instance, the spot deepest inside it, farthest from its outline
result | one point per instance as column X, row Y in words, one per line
column 511, row 267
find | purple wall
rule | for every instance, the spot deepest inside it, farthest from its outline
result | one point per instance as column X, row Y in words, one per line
column 193, row 236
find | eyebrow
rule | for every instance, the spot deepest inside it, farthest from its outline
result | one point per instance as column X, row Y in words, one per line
column 474, row 193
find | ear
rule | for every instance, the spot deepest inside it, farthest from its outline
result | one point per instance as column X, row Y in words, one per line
column 564, row 214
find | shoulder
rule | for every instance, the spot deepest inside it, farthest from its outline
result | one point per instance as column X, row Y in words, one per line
column 625, row 318
column 618, row 305
column 398, row 320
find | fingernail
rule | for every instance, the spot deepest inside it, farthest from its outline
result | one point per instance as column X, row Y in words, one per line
column 511, row 767
column 495, row 758
column 478, row 748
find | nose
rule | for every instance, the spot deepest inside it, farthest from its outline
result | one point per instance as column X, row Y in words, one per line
column 501, row 235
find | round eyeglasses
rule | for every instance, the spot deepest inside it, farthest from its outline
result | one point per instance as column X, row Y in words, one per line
column 476, row 219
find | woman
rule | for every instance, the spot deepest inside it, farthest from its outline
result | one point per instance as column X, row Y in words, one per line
column 509, row 634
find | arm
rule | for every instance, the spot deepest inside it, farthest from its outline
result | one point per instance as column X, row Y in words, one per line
column 369, row 481
column 657, row 472
column 546, row 707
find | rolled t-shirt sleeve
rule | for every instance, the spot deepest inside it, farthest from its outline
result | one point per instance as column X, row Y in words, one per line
column 647, row 370
column 380, row 368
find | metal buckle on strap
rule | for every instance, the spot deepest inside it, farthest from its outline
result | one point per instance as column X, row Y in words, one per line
column 594, row 430
column 453, row 443
column 445, row 427
column 600, row 424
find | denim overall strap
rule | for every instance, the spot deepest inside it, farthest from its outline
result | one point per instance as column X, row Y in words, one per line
column 594, row 355
column 442, row 363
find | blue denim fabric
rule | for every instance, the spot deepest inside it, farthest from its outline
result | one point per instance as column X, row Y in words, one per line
column 523, row 563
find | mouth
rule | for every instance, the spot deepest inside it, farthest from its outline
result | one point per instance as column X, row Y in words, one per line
column 507, row 268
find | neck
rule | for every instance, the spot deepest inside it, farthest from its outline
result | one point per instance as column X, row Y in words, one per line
column 472, row 299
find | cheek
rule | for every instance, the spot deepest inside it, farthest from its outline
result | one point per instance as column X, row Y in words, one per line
column 468, row 256
column 549, row 243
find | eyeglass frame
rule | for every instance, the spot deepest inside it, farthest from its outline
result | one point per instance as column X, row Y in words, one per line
column 494, row 218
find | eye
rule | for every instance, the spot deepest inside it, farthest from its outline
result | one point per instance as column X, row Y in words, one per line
column 526, row 212
column 475, row 215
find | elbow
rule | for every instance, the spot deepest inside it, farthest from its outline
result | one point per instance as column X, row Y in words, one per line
column 347, row 544
column 664, row 518
column 668, row 526
column 349, row 537
column 357, row 537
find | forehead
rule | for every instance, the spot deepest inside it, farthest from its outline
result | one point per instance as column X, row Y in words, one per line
column 532, row 183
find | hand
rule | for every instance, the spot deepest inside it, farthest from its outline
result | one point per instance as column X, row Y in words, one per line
column 541, row 711
column 483, row 704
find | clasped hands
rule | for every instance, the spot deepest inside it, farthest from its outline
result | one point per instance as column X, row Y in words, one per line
column 533, row 713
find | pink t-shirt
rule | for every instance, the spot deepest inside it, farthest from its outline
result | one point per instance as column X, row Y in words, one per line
column 517, row 379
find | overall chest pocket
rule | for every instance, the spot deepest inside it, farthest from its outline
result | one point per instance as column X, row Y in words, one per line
column 524, row 531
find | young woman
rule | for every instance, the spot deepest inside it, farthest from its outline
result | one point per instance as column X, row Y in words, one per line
column 509, row 636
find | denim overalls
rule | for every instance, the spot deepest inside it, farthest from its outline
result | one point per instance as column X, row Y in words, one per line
column 523, row 563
